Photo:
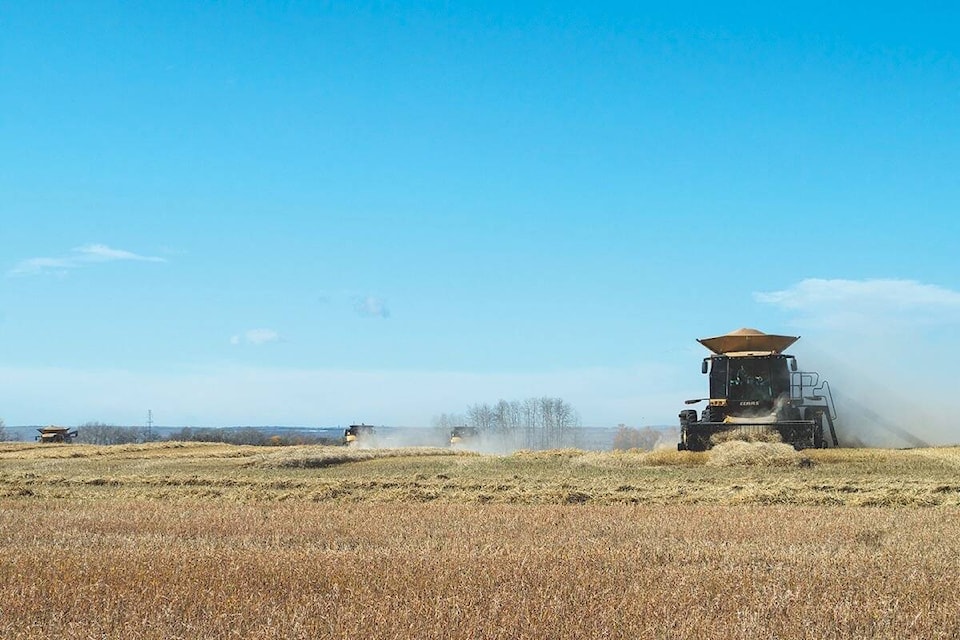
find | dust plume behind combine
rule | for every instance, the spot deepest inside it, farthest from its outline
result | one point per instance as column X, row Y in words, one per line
column 878, row 403
column 491, row 442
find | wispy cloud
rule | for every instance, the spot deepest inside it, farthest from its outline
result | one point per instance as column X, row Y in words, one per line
column 839, row 303
column 371, row 306
column 103, row 253
column 79, row 257
column 41, row 265
column 256, row 337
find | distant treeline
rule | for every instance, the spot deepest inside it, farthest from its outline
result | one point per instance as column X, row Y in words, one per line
column 249, row 435
column 534, row 423
column 100, row 433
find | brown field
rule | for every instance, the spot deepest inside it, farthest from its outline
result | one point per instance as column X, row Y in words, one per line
column 216, row 541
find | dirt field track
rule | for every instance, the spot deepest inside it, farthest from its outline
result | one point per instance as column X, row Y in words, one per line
column 212, row 541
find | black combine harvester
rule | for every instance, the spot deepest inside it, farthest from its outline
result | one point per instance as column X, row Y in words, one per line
column 756, row 390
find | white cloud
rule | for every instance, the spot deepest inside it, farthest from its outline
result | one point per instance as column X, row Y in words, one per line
column 78, row 257
column 42, row 265
column 815, row 293
column 103, row 253
column 371, row 306
column 838, row 303
column 256, row 337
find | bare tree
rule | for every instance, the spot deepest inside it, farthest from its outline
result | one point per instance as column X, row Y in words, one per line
column 548, row 423
column 481, row 416
column 566, row 419
column 531, row 420
column 4, row 436
column 100, row 433
column 506, row 416
column 536, row 423
column 447, row 421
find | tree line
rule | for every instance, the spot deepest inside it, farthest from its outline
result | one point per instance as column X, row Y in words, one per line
column 100, row 433
column 248, row 435
column 534, row 423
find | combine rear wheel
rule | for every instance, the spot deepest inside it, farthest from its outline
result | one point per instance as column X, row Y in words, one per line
column 818, row 441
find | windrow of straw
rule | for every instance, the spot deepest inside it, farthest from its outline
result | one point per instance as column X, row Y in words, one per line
column 730, row 473
column 746, row 435
column 320, row 457
column 738, row 453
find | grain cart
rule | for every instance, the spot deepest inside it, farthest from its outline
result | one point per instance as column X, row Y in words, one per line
column 51, row 434
column 357, row 434
column 755, row 392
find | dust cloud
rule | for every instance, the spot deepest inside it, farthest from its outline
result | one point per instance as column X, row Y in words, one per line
column 885, row 395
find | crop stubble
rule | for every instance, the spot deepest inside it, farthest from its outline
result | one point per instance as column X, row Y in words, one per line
column 116, row 560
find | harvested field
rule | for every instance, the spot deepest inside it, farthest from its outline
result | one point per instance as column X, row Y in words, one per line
column 733, row 473
column 191, row 541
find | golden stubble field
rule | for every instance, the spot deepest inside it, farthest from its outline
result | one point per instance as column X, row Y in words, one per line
column 212, row 541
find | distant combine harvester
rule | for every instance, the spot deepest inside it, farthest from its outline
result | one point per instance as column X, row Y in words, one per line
column 357, row 434
column 463, row 435
column 53, row 435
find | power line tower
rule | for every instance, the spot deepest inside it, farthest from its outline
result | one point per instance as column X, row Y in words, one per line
column 149, row 424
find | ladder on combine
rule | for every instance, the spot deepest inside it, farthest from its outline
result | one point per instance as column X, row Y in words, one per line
column 815, row 400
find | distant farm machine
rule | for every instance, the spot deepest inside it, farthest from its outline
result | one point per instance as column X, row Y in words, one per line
column 460, row 436
column 755, row 392
column 357, row 434
column 52, row 435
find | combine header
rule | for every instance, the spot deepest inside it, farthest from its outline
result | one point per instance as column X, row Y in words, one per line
column 756, row 390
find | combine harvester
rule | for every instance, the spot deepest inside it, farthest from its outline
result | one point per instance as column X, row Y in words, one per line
column 55, row 435
column 358, row 435
column 755, row 391
column 461, row 436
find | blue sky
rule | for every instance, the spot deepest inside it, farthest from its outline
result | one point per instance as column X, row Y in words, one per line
column 319, row 213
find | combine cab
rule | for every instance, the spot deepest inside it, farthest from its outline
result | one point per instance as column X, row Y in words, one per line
column 51, row 435
column 357, row 434
column 756, row 390
column 463, row 435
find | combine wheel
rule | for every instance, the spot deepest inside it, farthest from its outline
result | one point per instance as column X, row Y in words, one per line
column 818, row 442
column 696, row 443
column 689, row 442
